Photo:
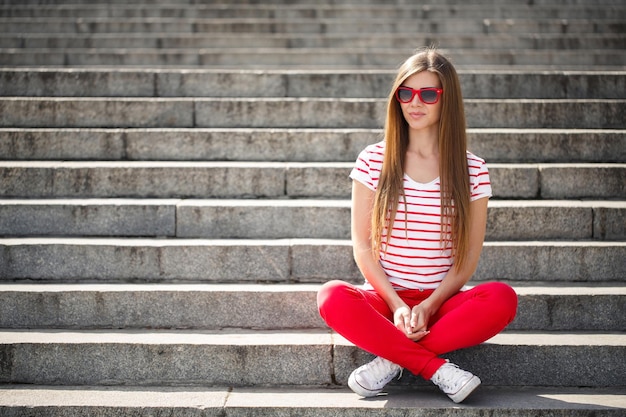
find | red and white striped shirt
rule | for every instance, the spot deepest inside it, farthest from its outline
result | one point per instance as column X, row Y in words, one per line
column 415, row 258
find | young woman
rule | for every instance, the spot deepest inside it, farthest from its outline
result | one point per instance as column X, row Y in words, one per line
column 419, row 213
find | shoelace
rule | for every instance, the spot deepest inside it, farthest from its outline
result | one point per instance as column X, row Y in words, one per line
column 383, row 370
column 447, row 376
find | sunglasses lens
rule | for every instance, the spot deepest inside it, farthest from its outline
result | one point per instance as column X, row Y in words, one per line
column 405, row 94
column 429, row 96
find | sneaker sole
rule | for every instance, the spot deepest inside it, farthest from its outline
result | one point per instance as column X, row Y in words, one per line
column 466, row 390
column 360, row 390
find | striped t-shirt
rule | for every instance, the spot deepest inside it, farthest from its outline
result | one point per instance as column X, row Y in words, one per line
column 414, row 258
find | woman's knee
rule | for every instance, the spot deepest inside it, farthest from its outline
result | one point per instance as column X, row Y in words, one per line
column 331, row 297
column 329, row 292
column 508, row 298
column 502, row 298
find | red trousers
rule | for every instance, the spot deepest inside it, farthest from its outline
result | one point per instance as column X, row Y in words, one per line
column 466, row 319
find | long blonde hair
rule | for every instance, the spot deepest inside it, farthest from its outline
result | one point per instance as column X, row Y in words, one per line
column 453, row 170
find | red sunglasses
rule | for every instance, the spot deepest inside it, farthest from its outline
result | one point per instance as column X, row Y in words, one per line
column 428, row 95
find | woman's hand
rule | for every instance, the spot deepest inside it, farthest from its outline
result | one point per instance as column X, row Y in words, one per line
column 406, row 320
column 420, row 317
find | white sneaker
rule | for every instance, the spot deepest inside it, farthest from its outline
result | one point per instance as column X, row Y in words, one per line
column 455, row 382
column 370, row 379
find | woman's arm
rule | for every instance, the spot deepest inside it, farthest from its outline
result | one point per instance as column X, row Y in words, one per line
column 362, row 206
column 455, row 278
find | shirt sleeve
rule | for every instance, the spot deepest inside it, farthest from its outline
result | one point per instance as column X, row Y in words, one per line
column 481, row 184
column 363, row 172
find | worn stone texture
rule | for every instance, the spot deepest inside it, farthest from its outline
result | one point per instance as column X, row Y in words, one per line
column 145, row 260
column 88, row 218
column 296, row 145
column 148, row 82
column 314, row 402
column 265, row 306
column 297, row 260
column 234, row 358
column 149, row 179
column 95, row 112
column 608, row 181
column 365, row 113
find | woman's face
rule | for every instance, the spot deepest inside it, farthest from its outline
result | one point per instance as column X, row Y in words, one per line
column 418, row 115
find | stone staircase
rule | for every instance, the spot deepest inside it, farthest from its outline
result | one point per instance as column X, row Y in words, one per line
column 175, row 189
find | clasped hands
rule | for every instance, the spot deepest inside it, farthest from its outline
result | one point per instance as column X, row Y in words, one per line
column 412, row 322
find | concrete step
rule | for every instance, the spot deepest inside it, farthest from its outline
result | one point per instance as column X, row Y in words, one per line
column 277, row 219
column 575, row 307
column 309, row 3
column 277, row 58
column 310, row 358
column 26, row 400
column 295, row 112
column 281, row 260
column 508, row 220
column 295, row 145
column 272, row 40
column 94, row 82
column 319, row 11
column 328, row 180
column 457, row 25
column 100, row 217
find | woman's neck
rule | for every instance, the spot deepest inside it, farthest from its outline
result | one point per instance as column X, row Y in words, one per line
column 421, row 162
column 424, row 143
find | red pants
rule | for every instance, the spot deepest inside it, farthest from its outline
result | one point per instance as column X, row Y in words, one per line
column 466, row 319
